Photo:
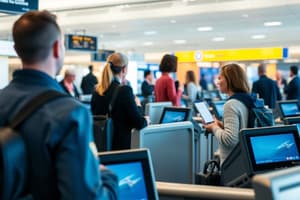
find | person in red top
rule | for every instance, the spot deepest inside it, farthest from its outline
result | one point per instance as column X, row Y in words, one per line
column 165, row 86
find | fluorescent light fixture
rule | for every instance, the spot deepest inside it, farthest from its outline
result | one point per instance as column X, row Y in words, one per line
column 179, row 41
column 245, row 15
column 273, row 23
column 258, row 37
column 218, row 39
column 173, row 21
column 205, row 28
column 150, row 32
column 148, row 43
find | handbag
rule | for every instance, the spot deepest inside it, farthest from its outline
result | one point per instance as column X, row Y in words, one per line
column 103, row 127
column 211, row 174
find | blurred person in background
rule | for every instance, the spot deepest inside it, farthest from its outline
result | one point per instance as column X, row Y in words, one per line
column 192, row 88
column 147, row 85
column 292, row 90
column 164, row 89
column 89, row 82
column 266, row 88
column 68, row 83
column 281, row 82
column 203, row 82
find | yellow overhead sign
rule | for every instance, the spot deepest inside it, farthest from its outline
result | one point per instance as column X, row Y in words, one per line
column 232, row 54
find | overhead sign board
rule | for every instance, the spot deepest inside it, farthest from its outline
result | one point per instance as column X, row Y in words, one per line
column 81, row 42
column 233, row 54
column 18, row 6
column 101, row 55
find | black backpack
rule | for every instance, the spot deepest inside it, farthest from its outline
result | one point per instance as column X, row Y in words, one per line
column 103, row 127
column 13, row 154
column 259, row 115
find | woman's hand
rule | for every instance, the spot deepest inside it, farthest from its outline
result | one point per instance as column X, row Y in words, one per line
column 211, row 126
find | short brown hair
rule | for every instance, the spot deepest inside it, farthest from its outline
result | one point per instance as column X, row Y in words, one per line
column 34, row 33
column 168, row 63
column 236, row 78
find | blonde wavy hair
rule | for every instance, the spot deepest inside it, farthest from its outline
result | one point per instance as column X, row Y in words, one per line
column 118, row 60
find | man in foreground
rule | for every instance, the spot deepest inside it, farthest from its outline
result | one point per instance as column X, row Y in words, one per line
column 61, row 153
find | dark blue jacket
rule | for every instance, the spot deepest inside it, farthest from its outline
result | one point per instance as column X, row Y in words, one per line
column 59, row 140
column 293, row 89
column 268, row 90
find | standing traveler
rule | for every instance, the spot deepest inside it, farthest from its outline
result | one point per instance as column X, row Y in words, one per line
column 266, row 88
column 126, row 110
column 165, row 87
column 292, row 90
column 89, row 82
column 68, row 83
column 61, row 153
column 192, row 88
column 147, row 86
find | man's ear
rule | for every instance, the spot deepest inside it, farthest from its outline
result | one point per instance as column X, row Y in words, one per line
column 56, row 49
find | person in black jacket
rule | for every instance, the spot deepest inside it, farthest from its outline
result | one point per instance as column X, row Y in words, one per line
column 88, row 82
column 147, row 86
column 266, row 88
column 126, row 110
column 292, row 90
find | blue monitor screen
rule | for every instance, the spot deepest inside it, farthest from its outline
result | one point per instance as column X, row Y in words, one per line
column 220, row 109
column 274, row 148
column 290, row 109
column 131, row 180
column 173, row 116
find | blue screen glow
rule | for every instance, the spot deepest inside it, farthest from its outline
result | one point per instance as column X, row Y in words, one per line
column 131, row 180
column 274, row 148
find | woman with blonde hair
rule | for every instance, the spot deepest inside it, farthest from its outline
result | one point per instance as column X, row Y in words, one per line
column 232, row 81
column 126, row 110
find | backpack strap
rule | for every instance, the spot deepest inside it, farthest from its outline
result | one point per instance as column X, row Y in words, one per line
column 33, row 105
column 248, row 100
column 113, row 99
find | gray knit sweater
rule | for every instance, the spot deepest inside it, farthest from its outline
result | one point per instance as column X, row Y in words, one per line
column 234, row 119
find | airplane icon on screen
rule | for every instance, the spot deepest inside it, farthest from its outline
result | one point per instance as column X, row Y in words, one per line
column 129, row 181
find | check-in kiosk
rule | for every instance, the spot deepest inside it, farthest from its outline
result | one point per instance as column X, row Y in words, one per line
column 281, row 184
column 261, row 150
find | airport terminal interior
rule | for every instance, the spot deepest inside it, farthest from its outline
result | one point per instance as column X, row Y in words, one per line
column 175, row 156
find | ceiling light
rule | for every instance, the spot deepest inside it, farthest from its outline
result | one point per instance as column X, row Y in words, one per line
column 272, row 24
column 218, row 39
column 173, row 21
column 150, row 32
column 257, row 37
column 179, row 41
column 205, row 28
column 148, row 43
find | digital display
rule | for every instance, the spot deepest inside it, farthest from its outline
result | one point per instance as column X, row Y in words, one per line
column 131, row 180
column 18, row 6
column 219, row 109
column 204, row 112
column 173, row 116
column 81, row 42
column 274, row 148
column 101, row 55
column 290, row 109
